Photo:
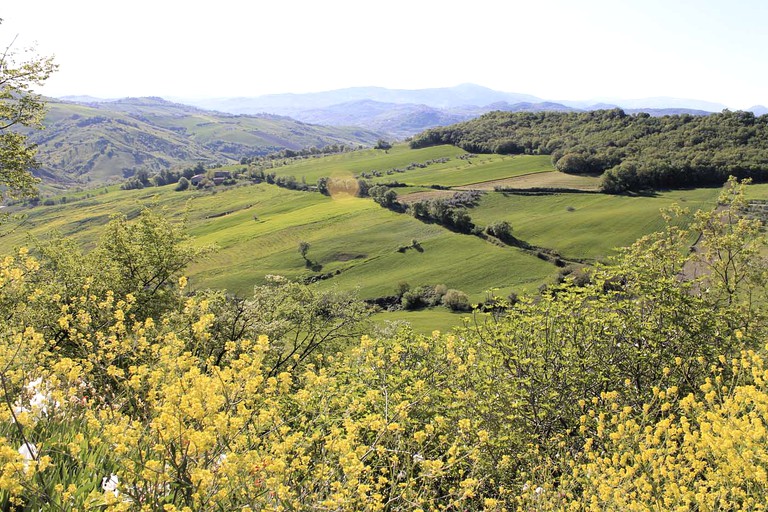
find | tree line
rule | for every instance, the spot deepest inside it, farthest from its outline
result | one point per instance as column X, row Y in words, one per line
column 632, row 152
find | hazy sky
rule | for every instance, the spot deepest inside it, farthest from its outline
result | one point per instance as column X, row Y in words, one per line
column 711, row 50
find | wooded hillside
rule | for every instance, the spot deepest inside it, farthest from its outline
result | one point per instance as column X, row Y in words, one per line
column 633, row 152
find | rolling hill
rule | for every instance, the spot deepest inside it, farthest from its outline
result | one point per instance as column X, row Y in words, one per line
column 401, row 120
column 96, row 141
column 358, row 245
column 107, row 141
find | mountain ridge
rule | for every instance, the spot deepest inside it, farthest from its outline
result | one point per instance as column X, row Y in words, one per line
column 409, row 111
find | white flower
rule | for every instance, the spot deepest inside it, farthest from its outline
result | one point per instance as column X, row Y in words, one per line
column 29, row 452
column 109, row 484
column 33, row 385
column 538, row 490
column 40, row 400
column 417, row 457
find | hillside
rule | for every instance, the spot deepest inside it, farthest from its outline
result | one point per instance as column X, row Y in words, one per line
column 401, row 120
column 106, row 141
column 605, row 389
column 357, row 244
column 443, row 98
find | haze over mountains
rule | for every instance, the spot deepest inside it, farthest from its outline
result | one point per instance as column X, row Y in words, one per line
column 401, row 112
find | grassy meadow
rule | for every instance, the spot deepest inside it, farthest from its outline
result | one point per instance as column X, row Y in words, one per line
column 257, row 228
column 348, row 164
column 354, row 242
column 587, row 226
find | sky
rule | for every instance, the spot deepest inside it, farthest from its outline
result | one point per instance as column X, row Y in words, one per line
column 711, row 50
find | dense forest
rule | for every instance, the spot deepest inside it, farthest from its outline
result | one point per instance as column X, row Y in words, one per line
column 633, row 152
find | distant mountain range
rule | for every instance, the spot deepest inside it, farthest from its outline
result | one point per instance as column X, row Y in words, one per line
column 402, row 112
column 293, row 104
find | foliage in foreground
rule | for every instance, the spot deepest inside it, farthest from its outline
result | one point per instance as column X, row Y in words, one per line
column 19, row 107
column 638, row 390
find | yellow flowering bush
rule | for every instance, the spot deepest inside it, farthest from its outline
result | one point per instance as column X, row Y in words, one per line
column 639, row 390
column 702, row 452
column 134, row 399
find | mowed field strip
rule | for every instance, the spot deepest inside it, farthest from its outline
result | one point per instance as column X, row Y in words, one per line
column 546, row 179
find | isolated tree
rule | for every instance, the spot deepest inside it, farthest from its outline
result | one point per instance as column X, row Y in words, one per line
column 303, row 249
column 20, row 106
column 382, row 144
column 322, row 186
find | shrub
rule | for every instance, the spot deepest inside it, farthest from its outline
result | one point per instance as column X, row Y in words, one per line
column 422, row 297
column 501, row 230
column 456, row 300
column 412, row 300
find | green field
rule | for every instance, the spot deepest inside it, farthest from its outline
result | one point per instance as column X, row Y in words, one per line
column 353, row 236
column 757, row 191
column 587, row 226
column 452, row 173
column 543, row 180
column 348, row 164
column 257, row 229
column 354, row 242
column 476, row 170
